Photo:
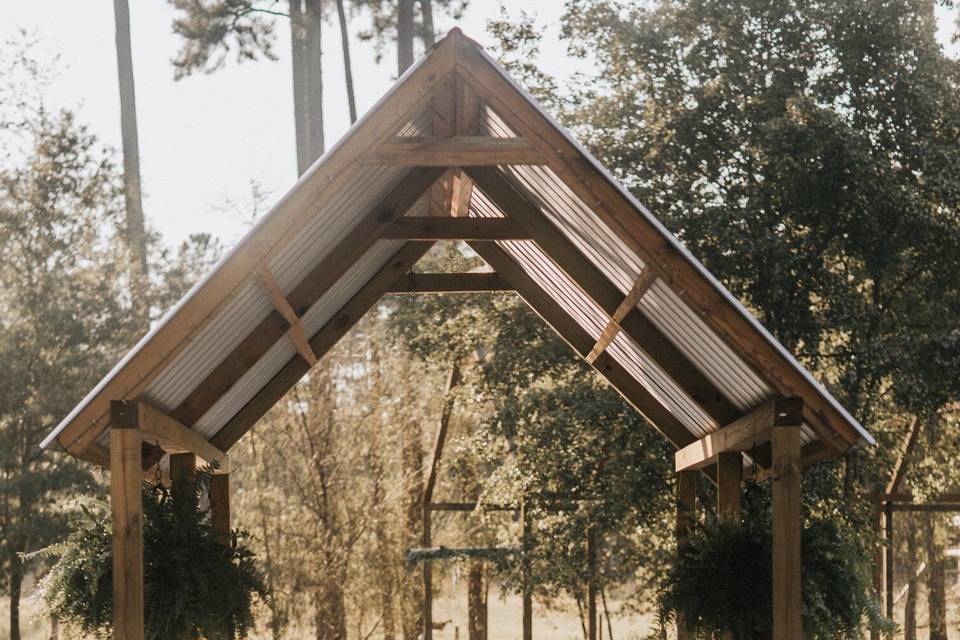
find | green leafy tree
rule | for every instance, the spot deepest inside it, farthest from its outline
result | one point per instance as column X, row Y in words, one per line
column 65, row 317
column 65, row 304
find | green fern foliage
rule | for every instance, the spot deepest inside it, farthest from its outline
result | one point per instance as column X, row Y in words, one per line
column 722, row 583
column 195, row 585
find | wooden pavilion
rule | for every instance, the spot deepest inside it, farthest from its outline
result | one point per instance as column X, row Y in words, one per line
column 458, row 151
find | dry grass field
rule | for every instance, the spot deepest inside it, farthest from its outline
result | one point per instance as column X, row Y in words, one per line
column 504, row 615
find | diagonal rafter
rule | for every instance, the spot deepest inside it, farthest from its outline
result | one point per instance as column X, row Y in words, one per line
column 321, row 343
column 607, row 296
column 321, row 184
column 326, row 274
column 619, row 212
column 636, row 293
column 271, row 288
column 581, row 342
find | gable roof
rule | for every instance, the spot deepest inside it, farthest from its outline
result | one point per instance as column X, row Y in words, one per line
column 592, row 261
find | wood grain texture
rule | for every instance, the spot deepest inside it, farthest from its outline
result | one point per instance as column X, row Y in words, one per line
column 568, row 329
column 604, row 293
column 126, row 506
column 455, row 151
column 787, row 597
column 321, row 342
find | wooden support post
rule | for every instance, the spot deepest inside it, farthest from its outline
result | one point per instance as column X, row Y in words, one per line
column 729, row 477
column 888, row 557
column 527, row 547
column 591, row 583
column 686, row 515
column 787, row 597
column 220, row 505
column 126, row 505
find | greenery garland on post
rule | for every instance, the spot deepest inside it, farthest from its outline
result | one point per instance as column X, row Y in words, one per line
column 722, row 583
column 195, row 586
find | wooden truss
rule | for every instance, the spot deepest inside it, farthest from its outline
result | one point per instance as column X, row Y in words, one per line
column 446, row 168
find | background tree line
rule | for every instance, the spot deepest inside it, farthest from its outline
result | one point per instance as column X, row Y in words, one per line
column 808, row 153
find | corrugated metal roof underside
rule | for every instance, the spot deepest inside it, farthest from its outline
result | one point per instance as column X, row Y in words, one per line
column 601, row 245
column 247, row 306
column 283, row 351
column 593, row 319
column 290, row 265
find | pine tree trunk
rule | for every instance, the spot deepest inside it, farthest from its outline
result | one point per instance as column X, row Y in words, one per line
column 306, row 22
column 910, row 565
column 347, row 66
column 936, row 579
column 413, row 477
column 314, row 71
column 405, row 34
column 477, row 602
column 428, row 34
column 298, row 64
column 16, row 584
column 54, row 628
column 135, row 231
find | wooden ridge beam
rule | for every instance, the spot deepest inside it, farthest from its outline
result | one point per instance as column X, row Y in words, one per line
column 581, row 342
column 321, row 342
column 455, row 151
column 270, row 286
column 742, row 434
column 636, row 293
column 449, row 283
column 607, row 296
column 455, row 228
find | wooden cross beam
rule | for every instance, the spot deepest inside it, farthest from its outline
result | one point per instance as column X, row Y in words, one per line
column 270, row 286
column 455, row 228
column 741, row 434
column 449, row 283
column 174, row 437
column 636, row 293
column 455, row 151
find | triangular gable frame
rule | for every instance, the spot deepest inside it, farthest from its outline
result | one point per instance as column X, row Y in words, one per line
column 451, row 85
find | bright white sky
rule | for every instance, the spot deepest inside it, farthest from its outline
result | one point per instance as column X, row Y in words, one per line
column 203, row 140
